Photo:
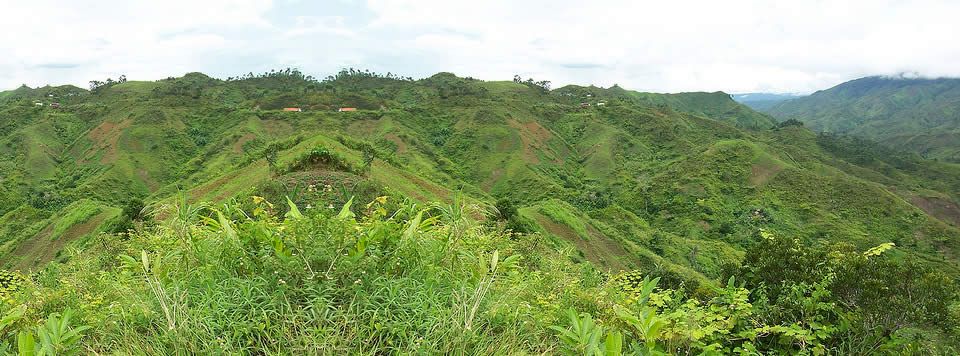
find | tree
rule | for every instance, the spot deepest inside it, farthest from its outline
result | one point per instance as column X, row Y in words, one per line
column 368, row 156
column 506, row 209
column 134, row 209
column 271, row 156
column 790, row 122
column 96, row 85
column 542, row 85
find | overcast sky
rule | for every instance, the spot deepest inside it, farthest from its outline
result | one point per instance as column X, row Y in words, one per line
column 662, row 46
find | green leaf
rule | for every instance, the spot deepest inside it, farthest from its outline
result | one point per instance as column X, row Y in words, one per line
column 413, row 225
column 145, row 260
column 226, row 226
column 613, row 346
column 26, row 345
column 294, row 212
column 345, row 212
column 568, row 337
column 12, row 316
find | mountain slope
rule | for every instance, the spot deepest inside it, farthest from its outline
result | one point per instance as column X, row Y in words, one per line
column 918, row 115
column 670, row 159
column 717, row 105
column 685, row 187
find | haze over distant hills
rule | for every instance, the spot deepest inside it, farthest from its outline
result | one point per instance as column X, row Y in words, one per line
column 915, row 114
column 763, row 101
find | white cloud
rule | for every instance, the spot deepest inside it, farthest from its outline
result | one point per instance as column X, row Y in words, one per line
column 306, row 25
column 93, row 40
column 735, row 46
column 688, row 45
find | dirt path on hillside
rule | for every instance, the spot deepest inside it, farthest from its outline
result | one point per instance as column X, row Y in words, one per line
column 599, row 249
column 238, row 146
column 205, row 189
column 401, row 146
column 42, row 249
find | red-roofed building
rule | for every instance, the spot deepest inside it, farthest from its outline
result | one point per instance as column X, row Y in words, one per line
column 347, row 109
column 292, row 109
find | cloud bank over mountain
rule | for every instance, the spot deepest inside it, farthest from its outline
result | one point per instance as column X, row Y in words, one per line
column 740, row 46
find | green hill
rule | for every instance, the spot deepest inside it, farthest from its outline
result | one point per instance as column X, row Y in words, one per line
column 195, row 215
column 717, row 106
column 918, row 115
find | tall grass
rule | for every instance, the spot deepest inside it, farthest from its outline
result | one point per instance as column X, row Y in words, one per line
column 388, row 278
column 223, row 280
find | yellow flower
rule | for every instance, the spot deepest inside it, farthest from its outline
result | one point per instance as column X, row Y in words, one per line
column 261, row 201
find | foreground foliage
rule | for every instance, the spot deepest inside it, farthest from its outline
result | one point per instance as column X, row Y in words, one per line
column 389, row 277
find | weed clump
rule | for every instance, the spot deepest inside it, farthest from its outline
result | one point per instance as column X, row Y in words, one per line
column 10, row 282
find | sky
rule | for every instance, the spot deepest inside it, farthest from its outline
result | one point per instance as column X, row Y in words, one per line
column 659, row 46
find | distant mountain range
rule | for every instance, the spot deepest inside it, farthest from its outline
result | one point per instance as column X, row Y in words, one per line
column 914, row 114
column 762, row 101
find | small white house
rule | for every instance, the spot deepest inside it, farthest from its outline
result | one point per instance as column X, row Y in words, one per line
column 37, row 103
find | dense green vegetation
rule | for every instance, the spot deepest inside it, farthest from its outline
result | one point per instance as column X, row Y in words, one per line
column 918, row 115
column 447, row 214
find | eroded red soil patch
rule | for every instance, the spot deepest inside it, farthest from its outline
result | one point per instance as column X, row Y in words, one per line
column 209, row 187
column 599, row 249
column 149, row 181
column 42, row 248
column 531, row 141
column 762, row 173
column 276, row 128
column 493, row 179
column 247, row 137
column 940, row 208
column 401, row 146
column 106, row 137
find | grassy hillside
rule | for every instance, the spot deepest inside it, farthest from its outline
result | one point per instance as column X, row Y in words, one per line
column 918, row 115
column 460, row 174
